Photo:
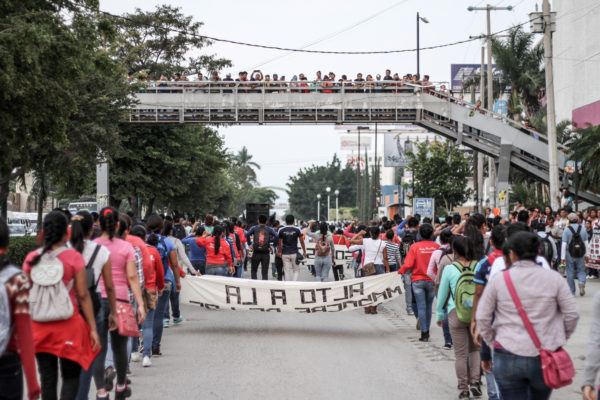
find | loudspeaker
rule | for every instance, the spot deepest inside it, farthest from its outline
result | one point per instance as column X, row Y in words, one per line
column 253, row 210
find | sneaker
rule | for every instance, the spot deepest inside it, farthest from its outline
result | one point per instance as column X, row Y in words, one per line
column 147, row 362
column 464, row 395
column 424, row 337
column 475, row 388
column 447, row 346
column 109, row 376
column 104, row 396
column 581, row 289
column 410, row 312
column 136, row 357
column 156, row 352
column 178, row 320
column 123, row 394
column 166, row 323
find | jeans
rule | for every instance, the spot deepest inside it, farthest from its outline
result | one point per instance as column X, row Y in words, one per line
column 174, row 300
column 322, row 267
column 219, row 271
column 148, row 333
column 492, row 387
column 575, row 266
column 446, row 329
column 467, row 359
column 424, row 292
column 11, row 377
column 85, row 378
column 379, row 269
column 408, row 298
column 520, row 378
column 48, row 368
column 290, row 268
column 119, row 349
column 393, row 267
column 159, row 312
column 199, row 266
column 263, row 259
column 279, row 268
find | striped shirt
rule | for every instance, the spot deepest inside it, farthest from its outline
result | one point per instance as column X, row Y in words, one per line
column 393, row 252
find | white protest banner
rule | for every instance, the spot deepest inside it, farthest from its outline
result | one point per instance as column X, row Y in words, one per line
column 224, row 293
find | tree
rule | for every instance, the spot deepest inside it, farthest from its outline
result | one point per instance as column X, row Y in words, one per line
column 584, row 147
column 521, row 65
column 308, row 182
column 243, row 161
column 441, row 172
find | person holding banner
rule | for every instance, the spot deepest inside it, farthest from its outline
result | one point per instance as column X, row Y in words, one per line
column 372, row 247
column 218, row 253
column 324, row 252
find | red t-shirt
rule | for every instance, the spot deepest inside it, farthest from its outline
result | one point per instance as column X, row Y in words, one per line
column 418, row 259
column 224, row 254
column 156, row 279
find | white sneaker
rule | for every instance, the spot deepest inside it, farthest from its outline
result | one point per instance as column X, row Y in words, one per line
column 136, row 357
column 147, row 362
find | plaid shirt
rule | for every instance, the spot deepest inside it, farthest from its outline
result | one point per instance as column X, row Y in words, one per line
column 139, row 266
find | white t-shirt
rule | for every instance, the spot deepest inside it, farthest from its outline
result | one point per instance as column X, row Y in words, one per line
column 373, row 250
column 101, row 258
column 499, row 265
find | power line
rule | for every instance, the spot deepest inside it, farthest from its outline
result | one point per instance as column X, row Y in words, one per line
column 261, row 46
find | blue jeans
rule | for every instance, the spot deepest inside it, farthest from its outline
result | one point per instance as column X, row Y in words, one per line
column 575, row 266
column 159, row 312
column 220, row 271
column 446, row 329
column 322, row 267
column 492, row 387
column 379, row 269
column 424, row 292
column 147, row 333
column 520, row 378
column 174, row 300
column 408, row 298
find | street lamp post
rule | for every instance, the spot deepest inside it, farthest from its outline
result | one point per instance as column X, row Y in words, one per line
column 328, row 190
column 318, row 206
column 337, row 212
column 425, row 20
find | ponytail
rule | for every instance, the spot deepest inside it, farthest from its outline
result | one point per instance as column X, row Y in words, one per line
column 81, row 225
column 108, row 221
column 217, row 232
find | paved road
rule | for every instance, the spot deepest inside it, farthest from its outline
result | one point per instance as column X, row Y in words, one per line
column 350, row 355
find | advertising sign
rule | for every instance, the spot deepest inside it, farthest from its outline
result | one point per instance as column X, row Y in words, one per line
column 462, row 72
column 424, row 207
column 350, row 143
column 395, row 151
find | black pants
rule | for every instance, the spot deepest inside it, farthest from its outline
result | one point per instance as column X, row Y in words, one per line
column 70, row 371
column 279, row 266
column 119, row 348
column 263, row 259
column 338, row 272
column 11, row 377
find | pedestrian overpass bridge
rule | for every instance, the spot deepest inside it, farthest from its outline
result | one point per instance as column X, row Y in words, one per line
column 227, row 102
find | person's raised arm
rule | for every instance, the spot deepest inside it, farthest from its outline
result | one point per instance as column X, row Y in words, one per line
column 347, row 232
column 358, row 238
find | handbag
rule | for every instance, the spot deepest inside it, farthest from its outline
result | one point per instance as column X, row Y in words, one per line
column 557, row 366
column 126, row 320
column 150, row 298
column 369, row 268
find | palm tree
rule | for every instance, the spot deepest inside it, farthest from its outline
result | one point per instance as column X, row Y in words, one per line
column 474, row 81
column 585, row 147
column 521, row 65
column 243, row 159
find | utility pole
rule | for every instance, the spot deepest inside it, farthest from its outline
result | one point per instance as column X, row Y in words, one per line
column 480, row 154
column 425, row 20
column 552, row 142
column 489, row 104
column 358, row 177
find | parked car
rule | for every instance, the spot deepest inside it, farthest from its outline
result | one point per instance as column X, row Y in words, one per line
column 17, row 230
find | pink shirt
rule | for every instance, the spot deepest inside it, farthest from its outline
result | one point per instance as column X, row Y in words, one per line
column 121, row 253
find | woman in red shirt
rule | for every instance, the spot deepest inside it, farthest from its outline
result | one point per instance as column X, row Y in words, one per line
column 19, row 353
column 70, row 342
column 218, row 252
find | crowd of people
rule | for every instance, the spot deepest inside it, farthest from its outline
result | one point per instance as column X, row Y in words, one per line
column 119, row 281
column 322, row 82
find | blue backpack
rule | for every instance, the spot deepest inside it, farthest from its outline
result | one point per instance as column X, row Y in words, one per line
column 5, row 321
column 163, row 250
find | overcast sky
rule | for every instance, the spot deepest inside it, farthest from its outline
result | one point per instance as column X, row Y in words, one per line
column 283, row 150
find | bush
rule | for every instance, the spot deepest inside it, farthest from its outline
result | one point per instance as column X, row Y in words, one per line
column 19, row 248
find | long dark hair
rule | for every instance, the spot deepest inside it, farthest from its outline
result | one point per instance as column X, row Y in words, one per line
column 4, row 242
column 55, row 227
column 109, row 217
column 217, row 232
column 323, row 229
column 81, row 225
column 154, row 227
column 463, row 247
column 473, row 231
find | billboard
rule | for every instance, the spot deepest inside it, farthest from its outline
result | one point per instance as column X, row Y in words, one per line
column 395, row 149
column 350, row 143
column 462, row 72
column 424, row 207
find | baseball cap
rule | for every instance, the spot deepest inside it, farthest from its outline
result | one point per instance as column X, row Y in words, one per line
column 573, row 218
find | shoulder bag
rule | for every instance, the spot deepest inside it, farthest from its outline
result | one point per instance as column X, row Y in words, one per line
column 557, row 366
column 369, row 268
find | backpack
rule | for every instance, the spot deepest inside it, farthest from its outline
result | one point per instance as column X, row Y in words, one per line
column 464, row 292
column 576, row 246
column 261, row 239
column 49, row 298
column 409, row 239
column 546, row 249
column 92, row 283
column 322, row 247
column 5, row 321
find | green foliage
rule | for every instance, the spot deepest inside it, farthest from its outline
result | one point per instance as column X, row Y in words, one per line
column 441, row 171
column 584, row 147
column 19, row 247
column 531, row 194
column 308, row 182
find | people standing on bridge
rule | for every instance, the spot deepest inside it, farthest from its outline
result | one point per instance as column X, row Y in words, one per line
column 218, row 252
column 289, row 237
column 417, row 260
column 466, row 352
column 324, row 252
column 125, row 277
column 372, row 248
column 260, row 238
column 549, row 306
